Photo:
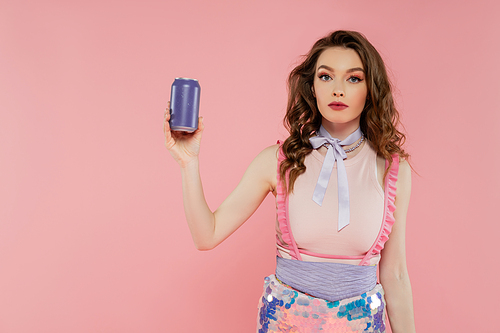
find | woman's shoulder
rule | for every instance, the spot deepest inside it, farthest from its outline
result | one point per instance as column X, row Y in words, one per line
column 266, row 164
column 269, row 155
column 267, row 159
column 404, row 174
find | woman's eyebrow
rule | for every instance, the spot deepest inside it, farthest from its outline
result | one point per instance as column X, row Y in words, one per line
column 355, row 69
column 350, row 70
column 325, row 67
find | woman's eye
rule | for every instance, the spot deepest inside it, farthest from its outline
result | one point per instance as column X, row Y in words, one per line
column 325, row 77
column 354, row 79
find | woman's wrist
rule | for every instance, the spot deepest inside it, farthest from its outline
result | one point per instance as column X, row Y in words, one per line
column 191, row 164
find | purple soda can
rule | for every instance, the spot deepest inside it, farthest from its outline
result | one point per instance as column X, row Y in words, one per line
column 184, row 104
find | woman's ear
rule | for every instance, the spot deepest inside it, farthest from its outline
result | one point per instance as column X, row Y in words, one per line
column 312, row 90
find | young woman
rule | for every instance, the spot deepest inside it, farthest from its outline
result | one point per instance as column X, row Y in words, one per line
column 342, row 185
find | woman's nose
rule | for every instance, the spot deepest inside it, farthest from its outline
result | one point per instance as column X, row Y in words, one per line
column 338, row 93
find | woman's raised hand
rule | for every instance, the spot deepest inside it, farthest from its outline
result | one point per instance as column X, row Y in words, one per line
column 183, row 146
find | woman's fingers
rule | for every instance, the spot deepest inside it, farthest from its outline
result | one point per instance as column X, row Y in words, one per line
column 201, row 124
column 168, row 110
column 169, row 139
column 199, row 130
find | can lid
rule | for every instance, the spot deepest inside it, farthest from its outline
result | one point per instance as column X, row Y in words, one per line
column 185, row 78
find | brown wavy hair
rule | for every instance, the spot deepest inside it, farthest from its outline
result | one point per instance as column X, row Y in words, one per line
column 379, row 119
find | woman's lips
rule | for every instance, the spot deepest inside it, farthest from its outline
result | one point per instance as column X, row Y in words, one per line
column 337, row 106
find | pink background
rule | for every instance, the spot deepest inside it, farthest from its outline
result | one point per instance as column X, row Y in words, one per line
column 92, row 230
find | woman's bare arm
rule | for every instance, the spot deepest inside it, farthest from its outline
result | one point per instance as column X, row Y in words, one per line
column 208, row 228
column 393, row 272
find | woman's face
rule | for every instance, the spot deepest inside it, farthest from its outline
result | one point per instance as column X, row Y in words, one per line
column 340, row 87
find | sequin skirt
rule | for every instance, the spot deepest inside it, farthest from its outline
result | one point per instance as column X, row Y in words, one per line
column 283, row 309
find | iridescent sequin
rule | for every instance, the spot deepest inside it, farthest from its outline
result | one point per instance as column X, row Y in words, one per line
column 283, row 309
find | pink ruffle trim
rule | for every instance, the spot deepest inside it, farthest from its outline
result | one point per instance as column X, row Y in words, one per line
column 288, row 241
column 282, row 213
column 389, row 208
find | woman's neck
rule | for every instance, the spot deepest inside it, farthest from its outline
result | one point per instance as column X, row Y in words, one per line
column 341, row 131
